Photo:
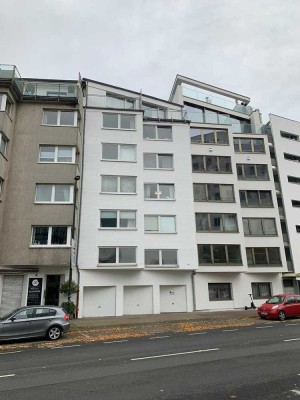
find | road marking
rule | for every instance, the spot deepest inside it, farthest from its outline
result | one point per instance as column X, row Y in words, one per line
column 230, row 330
column 264, row 327
column 7, row 376
column 295, row 391
column 11, row 352
column 65, row 347
column 198, row 333
column 291, row 340
column 174, row 354
column 116, row 341
column 291, row 324
column 158, row 337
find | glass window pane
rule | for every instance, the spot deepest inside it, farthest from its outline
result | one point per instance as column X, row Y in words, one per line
column 269, row 226
column 169, row 257
column 274, row 256
column 246, row 145
column 128, row 184
column 236, row 143
column 40, row 235
column 195, row 135
column 166, row 191
column 114, row 102
column 67, row 118
column 230, row 223
column 127, row 255
column 222, row 137
column 167, row 224
column 204, row 254
column 226, row 192
column 151, row 257
column 108, row 219
column 62, row 193
column 3, row 144
column 265, row 198
column 127, row 121
column 239, row 171
column 211, row 163
column 149, row 132
column 151, row 223
column 194, row 114
column 250, row 260
column 249, row 172
column 262, row 172
column 110, row 120
column 219, row 254
column 202, row 222
column 208, row 135
column 127, row 152
column 109, row 151
column 47, row 153
column 253, row 198
column 51, row 117
column 255, row 226
column 150, row 161
column 65, row 154
column 198, row 163
column 165, row 161
column 243, row 198
column 199, row 192
column 43, row 193
column 258, row 145
column 225, row 164
column 246, row 226
column 260, row 256
column 213, row 191
column 109, row 184
column 164, row 132
column 150, row 191
column 59, row 235
column 216, row 223
column 211, row 117
column 234, row 254
column 107, row 255
column 224, row 119
column 127, row 219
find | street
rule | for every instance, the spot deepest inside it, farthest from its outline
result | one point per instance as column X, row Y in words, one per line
column 256, row 362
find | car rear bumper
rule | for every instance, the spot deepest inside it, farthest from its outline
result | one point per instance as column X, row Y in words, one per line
column 268, row 313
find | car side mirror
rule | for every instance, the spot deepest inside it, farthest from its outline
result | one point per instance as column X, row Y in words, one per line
column 12, row 319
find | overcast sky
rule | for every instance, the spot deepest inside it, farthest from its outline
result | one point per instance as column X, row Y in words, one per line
column 247, row 46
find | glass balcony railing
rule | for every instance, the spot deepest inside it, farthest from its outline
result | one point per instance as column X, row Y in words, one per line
column 217, row 101
column 40, row 89
column 11, row 73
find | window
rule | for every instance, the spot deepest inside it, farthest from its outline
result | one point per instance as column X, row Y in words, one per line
column 261, row 290
column 256, row 198
column 296, row 203
column 158, row 161
column 154, row 132
column 118, row 219
column 219, row 254
column 60, row 118
column 161, row 258
column 297, row 226
column 216, row 222
column 3, row 144
column 211, row 164
column 294, row 179
column 219, row 291
column 57, row 154
column 44, row 312
column 263, row 256
column 213, row 192
column 250, row 172
column 259, row 227
column 119, row 152
column 24, row 314
column 248, row 145
column 113, row 101
column 1, row 185
column 209, row 136
column 54, row 193
column 288, row 135
column 291, row 157
column 117, row 255
column 118, row 184
column 118, row 121
column 159, row 191
column 160, row 224
column 51, row 236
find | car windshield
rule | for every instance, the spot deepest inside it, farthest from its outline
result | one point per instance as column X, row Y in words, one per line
column 4, row 317
column 275, row 300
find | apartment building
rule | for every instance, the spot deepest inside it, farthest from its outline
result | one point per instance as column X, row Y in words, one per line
column 40, row 155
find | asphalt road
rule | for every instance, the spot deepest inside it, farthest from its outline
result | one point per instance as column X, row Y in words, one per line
column 257, row 362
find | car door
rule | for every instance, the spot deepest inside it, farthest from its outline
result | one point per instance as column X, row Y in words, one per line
column 40, row 322
column 17, row 325
column 290, row 306
column 298, row 305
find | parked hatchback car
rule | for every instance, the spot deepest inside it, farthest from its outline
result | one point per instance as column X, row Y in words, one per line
column 280, row 306
column 34, row 321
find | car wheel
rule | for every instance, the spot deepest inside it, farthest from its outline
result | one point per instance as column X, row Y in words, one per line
column 54, row 333
column 281, row 315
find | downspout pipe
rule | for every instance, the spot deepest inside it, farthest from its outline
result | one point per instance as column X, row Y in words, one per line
column 193, row 290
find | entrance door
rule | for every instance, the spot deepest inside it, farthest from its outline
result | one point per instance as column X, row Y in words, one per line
column 11, row 293
column 52, row 290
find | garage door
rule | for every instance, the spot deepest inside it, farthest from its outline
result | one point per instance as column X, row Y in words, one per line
column 11, row 293
column 138, row 300
column 173, row 299
column 99, row 301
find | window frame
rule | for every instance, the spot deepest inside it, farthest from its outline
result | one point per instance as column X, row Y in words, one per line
column 126, row 100
column 212, row 263
column 160, row 258
column 118, row 211
column 262, row 227
column 210, row 229
column 119, row 121
column 243, row 178
column 259, row 290
column 117, row 256
column 259, row 199
column 159, row 216
column 67, row 245
column 215, row 134
column 207, row 192
column 119, row 152
column 239, row 139
column 205, row 171
column 289, row 136
column 267, row 257
column 156, row 133
column 3, row 138
column 291, row 157
column 75, row 118
column 158, row 198
column 119, row 184
column 56, row 148
column 157, row 155
column 230, row 298
column 53, row 192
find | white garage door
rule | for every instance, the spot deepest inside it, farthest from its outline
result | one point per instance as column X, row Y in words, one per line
column 11, row 293
column 99, row 301
column 138, row 300
column 173, row 299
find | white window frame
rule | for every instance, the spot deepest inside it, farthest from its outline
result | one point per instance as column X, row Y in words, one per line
column 2, row 136
column 75, row 120
column 119, row 121
column 158, row 192
column 118, row 159
column 117, row 256
column 49, row 237
column 160, row 264
column 53, row 194
column 156, row 133
column 119, row 184
column 56, row 155
column 118, row 221
column 157, row 162
column 4, row 99
column 159, row 224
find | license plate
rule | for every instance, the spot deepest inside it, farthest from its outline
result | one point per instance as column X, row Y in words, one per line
column 264, row 313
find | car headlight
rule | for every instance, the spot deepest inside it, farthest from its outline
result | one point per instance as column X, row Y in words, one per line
column 274, row 307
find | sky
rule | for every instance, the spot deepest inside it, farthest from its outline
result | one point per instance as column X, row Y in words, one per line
column 251, row 47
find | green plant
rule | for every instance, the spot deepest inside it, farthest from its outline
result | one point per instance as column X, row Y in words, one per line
column 70, row 308
column 64, row 287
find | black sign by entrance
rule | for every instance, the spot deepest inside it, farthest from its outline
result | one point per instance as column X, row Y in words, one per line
column 34, row 295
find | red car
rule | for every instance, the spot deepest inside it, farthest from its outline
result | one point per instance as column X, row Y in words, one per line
column 280, row 306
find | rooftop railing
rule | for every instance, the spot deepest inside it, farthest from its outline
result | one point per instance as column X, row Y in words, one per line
column 49, row 89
